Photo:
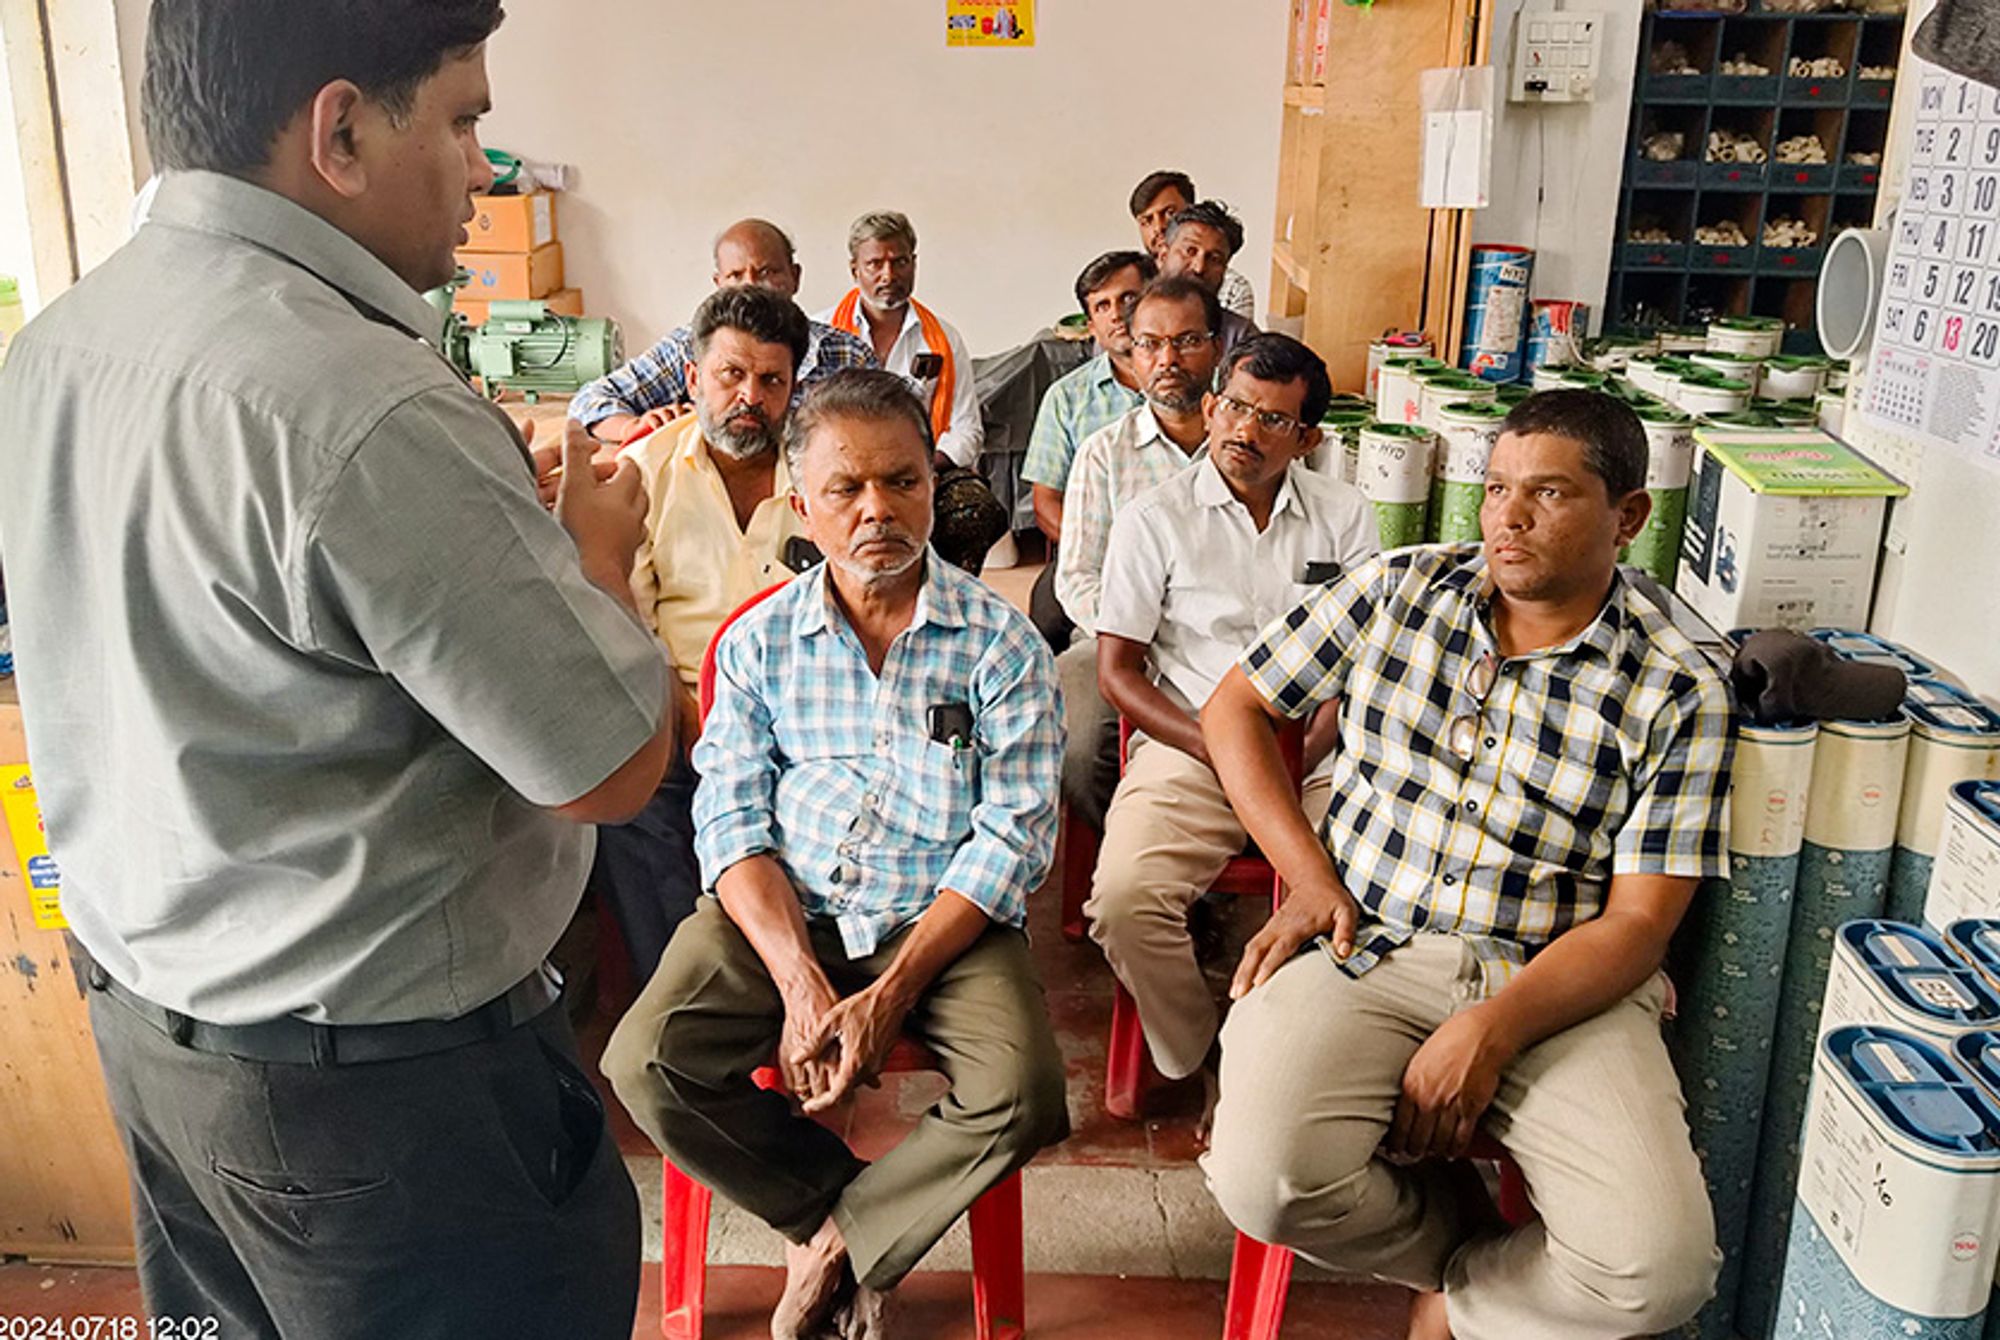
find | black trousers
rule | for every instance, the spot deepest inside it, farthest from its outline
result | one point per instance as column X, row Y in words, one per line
column 646, row 871
column 469, row 1192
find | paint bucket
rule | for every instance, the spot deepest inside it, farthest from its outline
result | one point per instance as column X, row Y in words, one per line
column 1843, row 875
column 1793, row 378
column 1905, row 977
column 1831, row 407
column 1978, row 1054
column 1556, row 330
column 1733, row 949
column 1396, row 387
column 1547, row 377
column 1853, row 645
column 1339, row 430
column 1467, row 430
column 1977, row 941
column 1436, row 390
column 1683, row 339
column 1954, row 737
column 1669, row 467
column 1899, row 1201
column 1496, row 308
column 1752, row 336
column 1704, row 392
column 1398, row 344
column 1965, row 879
column 1611, row 353
column 1394, row 473
column 1643, row 372
column 1736, row 366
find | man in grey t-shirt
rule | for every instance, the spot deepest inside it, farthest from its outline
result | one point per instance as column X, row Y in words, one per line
column 321, row 702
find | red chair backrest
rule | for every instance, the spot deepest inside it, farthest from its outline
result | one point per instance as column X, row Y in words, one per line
column 705, row 686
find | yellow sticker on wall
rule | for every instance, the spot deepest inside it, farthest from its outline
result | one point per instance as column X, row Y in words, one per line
column 989, row 23
column 24, row 823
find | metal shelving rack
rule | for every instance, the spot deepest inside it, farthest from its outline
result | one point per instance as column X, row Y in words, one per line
column 1683, row 282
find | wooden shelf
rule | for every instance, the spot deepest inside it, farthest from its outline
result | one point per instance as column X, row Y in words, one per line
column 1281, row 256
column 1305, row 95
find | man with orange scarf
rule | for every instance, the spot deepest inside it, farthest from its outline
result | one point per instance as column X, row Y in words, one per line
column 909, row 339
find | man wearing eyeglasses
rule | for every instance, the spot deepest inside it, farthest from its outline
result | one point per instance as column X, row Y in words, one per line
column 1173, row 358
column 652, row 389
column 1194, row 568
column 1532, row 768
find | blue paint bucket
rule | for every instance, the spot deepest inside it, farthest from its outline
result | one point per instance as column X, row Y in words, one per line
column 1496, row 313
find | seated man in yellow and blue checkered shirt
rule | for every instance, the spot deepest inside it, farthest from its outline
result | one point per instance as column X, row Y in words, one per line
column 1528, row 786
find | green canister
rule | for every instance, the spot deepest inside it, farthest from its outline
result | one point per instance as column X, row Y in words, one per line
column 1669, row 468
column 1467, row 430
column 1340, row 434
column 1394, row 473
column 1435, row 390
column 1740, row 367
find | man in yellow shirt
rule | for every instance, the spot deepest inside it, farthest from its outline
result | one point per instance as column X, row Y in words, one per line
column 719, row 521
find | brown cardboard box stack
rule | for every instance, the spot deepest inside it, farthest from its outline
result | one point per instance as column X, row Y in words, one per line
column 511, row 251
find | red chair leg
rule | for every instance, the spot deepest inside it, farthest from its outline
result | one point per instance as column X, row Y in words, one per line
column 684, row 1206
column 999, row 1274
column 1259, row 1277
column 1079, row 863
column 1515, row 1207
column 1128, row 1069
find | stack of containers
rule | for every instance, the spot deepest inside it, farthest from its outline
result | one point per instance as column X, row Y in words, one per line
column 1899, row 1203
column 1965, row 879
column 1396, row 344
column 1954, row 737
column 1435, row 390
column 1467, row 430
column 1978, row 1054
column 1396, row 396
column 1850, row 831
column 1733, row 946
column 1393, row 471
column 1754, row 336
column 1669, row 467
column 1905, row 977
column 512, row 252
column 1340, row 439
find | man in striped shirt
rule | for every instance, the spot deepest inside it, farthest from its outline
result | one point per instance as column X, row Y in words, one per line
column 878, row 781
column 1528, row 785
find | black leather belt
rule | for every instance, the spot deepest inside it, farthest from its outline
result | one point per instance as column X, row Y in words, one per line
column 292, row 1041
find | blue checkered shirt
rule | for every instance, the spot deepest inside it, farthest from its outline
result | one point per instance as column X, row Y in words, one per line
column 659, row 376
column 808, row 757
column 1607, row 755
column 1077, row 404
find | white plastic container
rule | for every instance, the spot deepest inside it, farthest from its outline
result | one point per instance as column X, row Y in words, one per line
column 1965, row 881
column 1794, row 378
column 1709, row 395
column 1756, row 336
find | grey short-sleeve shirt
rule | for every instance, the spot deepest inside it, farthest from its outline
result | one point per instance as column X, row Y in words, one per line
column 302, row 659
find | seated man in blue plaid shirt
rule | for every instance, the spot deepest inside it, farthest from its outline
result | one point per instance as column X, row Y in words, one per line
column 652, row 389
column 1529, row 783
column 878, row 783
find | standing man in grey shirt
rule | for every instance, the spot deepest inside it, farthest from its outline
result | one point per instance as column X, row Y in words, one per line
column 321, row 702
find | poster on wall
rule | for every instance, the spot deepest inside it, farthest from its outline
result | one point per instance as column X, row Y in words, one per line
column 989, row 23
column 1934, row 374
column 24, row 826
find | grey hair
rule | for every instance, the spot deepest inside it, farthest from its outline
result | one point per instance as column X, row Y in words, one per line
column 882, row 225
column 853, row 393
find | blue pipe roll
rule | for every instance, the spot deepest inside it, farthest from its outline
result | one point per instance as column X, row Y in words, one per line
column 1734, row 953
column 1954, row 737
column 1850, row 832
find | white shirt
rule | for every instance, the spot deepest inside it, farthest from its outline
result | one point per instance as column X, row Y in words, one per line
column 1189, row 574
column 1113, row 466
column 965, row 433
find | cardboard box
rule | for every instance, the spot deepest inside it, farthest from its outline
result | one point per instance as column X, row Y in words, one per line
column 563, row 302
column 511, row 222
column 1784, row 530
column 513, row 274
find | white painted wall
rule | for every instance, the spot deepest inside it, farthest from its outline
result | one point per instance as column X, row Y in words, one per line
column 17, row 252
column 1013, row 165
column 1557, row 168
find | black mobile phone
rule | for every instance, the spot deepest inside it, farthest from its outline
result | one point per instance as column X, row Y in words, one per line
column 950, row 723
column 1319, row 571
column 926, row 366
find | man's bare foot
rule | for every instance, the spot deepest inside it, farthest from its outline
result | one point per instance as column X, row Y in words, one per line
column 818, row 1283
column 866, row 1316
column 1427, row 1317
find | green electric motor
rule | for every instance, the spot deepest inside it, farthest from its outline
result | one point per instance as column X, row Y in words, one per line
column 522, row 347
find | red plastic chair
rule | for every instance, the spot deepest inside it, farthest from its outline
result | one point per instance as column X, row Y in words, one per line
column 999, row 1274
column 1128, row 1068
column 1260, row 1274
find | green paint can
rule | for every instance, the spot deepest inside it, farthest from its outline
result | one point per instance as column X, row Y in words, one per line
column 1394, row 473
column 1467, row 430
column 1669, row 469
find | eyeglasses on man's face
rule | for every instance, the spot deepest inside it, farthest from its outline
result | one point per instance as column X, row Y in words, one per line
column 1274, row 422
column 1183, row 344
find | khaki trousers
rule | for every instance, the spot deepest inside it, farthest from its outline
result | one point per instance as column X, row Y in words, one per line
column 682, row 1058
column 1169, row 832
column 1312, row 1065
